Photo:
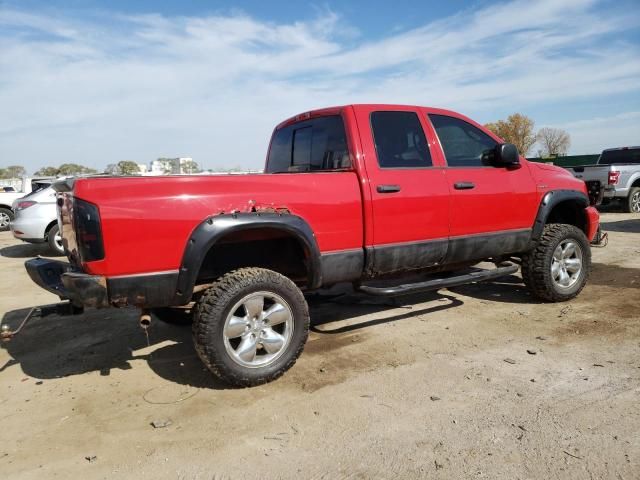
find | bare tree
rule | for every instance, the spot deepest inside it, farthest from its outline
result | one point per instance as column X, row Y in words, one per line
column 554, row 141
column 516, row 129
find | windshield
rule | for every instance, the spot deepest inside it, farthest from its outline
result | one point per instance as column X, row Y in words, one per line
column 626, row 155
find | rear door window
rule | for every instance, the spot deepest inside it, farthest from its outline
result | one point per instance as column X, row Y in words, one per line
column 621, row 156
column 464, row 145
column 400, row 141
column 319, row 144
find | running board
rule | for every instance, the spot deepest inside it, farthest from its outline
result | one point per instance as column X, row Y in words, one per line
column 438, row 283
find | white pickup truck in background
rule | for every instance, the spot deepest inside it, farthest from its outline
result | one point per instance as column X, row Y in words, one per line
column 616, row 176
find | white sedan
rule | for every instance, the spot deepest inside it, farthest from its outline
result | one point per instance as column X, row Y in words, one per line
column 35, row 219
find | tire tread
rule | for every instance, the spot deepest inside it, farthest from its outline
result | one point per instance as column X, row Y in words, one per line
column 536, row 275
column 210, row 308
column 627, row 201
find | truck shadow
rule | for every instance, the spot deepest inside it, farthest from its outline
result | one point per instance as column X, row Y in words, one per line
column 103, row 340
column 328, row 311
column 614, row 276
column 28, row 250
column 614, row 206
column 100, row 341
column 627, row 226
column 509, row 289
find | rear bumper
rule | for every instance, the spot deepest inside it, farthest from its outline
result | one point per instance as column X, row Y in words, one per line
column 29, row 240
column 29, row 230
column 60, row 278
column 611, row 191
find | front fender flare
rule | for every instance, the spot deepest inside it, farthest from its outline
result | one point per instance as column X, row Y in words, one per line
column 206, row 234
column 549, row 201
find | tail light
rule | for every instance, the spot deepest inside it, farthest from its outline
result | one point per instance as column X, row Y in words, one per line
column 21, row 205
column 88, row 230
column 614, row 176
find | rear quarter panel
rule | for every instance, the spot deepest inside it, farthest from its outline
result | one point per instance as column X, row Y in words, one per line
column 628, row 175
column 146, row 221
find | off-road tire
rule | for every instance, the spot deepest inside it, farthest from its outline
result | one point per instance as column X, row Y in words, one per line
column 630, row 203
column 536, row 265
column 51, row 240
column 174, row 316
column 214, row 306
column 5, row 213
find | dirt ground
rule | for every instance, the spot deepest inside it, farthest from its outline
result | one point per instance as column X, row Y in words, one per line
column 438, row 385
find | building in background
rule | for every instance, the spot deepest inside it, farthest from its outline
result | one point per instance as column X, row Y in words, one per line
column 174, row 166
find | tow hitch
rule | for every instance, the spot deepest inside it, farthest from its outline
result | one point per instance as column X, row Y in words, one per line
column 62, row 308
column 601, row 239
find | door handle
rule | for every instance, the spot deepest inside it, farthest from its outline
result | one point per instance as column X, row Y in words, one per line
column 464, row 185
column 388, row 188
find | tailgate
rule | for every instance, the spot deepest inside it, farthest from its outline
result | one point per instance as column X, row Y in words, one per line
column 591, row 172
column 67, row 230
column 64, row 202
column 596, row 177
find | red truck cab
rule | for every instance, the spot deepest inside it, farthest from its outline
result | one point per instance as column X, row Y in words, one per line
column 349, row 194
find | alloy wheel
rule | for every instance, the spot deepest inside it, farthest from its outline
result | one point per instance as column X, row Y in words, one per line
column 258, row 329
column 566, row 265
column 635, row 202
column 58, row 241
column 4, row 220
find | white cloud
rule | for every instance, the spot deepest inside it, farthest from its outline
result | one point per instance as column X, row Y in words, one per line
column 596, row 134
column 96, row 91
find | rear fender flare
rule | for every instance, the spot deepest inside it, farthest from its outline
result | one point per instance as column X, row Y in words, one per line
column 206, row 234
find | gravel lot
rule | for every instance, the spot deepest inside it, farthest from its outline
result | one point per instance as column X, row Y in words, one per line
column 477, row 382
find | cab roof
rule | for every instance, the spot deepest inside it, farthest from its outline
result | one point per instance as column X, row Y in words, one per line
column 337, row 110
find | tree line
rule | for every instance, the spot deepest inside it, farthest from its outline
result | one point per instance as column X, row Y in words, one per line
column 519, row 130
column 124, row 167
column 64, row 170
column 12, row 171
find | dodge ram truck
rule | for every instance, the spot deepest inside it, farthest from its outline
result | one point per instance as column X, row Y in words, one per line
column 357, row 194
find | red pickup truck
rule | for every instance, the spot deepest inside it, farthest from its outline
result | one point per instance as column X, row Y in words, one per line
column 349, row 194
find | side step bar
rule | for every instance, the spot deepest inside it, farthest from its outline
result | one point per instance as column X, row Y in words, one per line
column 438, row 283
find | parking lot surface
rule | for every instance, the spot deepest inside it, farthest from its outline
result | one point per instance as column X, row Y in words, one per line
column 480, row 381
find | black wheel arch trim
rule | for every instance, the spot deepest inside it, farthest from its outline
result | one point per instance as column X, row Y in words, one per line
column 549, row 201
column 214, row 228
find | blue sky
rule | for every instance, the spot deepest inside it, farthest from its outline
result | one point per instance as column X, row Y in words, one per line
column 96, row 82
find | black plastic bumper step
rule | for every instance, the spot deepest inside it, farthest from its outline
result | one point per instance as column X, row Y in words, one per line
column 438, row 283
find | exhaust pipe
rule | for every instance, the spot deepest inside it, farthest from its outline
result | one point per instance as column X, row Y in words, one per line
column 145, row 319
